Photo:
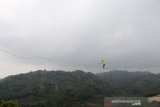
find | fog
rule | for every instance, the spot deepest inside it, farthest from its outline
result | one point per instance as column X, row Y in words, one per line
column 77, row 34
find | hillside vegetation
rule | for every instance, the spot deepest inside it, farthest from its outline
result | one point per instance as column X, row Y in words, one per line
column 77, row 88
column 133, row 83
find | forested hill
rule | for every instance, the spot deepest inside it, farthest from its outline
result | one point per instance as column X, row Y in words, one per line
column 55, row 89
column 133, row 83
column 77, row 88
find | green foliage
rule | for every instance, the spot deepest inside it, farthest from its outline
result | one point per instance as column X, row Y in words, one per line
column 8, row 103
column 133, row 83
column 76, row 89
column 55, row 89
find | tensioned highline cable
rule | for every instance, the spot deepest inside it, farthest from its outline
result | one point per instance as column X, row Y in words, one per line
column 70, row 65
column 31, row 57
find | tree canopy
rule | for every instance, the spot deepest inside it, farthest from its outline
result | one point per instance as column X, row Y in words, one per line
column 77, row 88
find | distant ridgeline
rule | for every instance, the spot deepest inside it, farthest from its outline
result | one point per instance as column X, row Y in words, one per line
column 77, row 88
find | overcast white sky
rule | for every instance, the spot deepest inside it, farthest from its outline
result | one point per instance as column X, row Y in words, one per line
column 77, row 34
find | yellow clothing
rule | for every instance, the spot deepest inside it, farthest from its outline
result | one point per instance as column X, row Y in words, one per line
column 103, row 62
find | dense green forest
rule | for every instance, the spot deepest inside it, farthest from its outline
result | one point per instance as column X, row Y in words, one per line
column 8, row 103
column 133, row 83
column 77, row 88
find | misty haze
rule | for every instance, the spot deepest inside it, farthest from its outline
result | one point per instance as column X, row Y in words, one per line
column 80, row 50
